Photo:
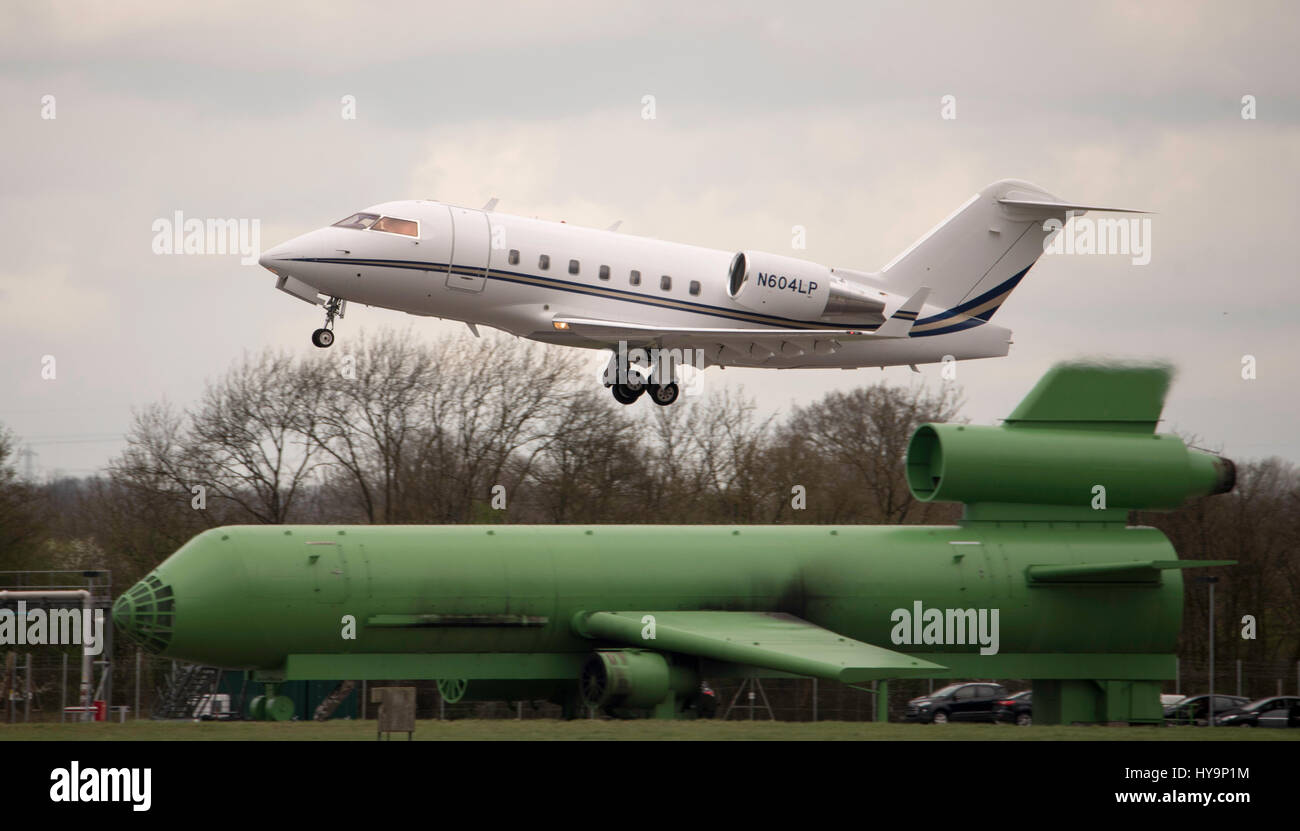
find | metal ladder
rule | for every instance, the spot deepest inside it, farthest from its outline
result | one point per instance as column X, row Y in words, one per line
column 189, row 687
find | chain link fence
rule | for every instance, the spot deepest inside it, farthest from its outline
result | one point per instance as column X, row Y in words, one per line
column 43, row 685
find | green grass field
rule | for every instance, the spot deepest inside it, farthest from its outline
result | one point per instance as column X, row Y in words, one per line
column 585, row 729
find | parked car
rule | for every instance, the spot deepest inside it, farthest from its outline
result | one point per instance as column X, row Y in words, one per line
column 1274, row 711
column 1017, row 708
column 1195, row 709
column 971, row 701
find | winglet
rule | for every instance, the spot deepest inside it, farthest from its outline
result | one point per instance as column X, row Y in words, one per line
column 900, row 322
column 614, row 227
column 491, row 205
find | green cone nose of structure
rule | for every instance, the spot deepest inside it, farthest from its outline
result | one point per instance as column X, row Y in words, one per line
column 145, row 614
column 123, row 614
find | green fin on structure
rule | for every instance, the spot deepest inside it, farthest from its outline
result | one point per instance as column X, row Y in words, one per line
column 1096, row 396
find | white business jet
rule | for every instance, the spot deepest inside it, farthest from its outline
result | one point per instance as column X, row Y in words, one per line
column 657, row 305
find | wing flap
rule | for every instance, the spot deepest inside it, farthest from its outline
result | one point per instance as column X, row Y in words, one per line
column 605, row 330
column 771, row 640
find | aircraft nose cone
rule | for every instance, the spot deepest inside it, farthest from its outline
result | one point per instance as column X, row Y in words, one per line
column 145, row 614
column 274, row 257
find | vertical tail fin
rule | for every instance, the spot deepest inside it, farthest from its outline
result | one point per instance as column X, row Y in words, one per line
column 975, row 258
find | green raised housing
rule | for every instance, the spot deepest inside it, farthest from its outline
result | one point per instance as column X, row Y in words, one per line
column 632, row 617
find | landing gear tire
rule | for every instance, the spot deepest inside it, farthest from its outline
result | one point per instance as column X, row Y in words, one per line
column 626, row 394
column 324, row 336
column 663, row 394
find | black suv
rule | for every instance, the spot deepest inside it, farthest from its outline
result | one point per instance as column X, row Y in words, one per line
column 1275, row 711
column 1196, row 709
column 1017, row 708
column 957, row 702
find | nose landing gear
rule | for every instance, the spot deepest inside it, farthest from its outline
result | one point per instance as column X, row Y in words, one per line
column 324, row 336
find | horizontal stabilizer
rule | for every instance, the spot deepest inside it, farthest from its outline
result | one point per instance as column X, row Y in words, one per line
column 770, row 640
column 1135, row 571
column 1053, row 207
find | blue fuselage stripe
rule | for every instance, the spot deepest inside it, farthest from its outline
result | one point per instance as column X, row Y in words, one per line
column 680, row 305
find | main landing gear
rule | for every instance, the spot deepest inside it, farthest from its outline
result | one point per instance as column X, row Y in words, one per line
column 627, row 379
column 324, row 336
column 662, row 394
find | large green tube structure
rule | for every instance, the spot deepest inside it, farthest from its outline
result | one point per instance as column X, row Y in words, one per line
column 1041, row 579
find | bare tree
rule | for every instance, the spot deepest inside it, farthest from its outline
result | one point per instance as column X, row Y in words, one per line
column 501, row 404
column 591, row 469
column 368, row 410
column 247, row 447
column 22, row 521
column 853, row 445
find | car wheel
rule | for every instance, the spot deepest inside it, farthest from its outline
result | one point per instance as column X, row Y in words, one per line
column 1024, row 720
column 939, row 718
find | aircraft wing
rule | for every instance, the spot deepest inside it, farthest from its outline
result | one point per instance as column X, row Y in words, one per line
column 748, row 343
column 771, row 640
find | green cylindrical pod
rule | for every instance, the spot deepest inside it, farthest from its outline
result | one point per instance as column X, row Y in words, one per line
column 1045, row 466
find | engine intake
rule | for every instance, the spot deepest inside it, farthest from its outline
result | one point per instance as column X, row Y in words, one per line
column 632, row 679
column 779, row 286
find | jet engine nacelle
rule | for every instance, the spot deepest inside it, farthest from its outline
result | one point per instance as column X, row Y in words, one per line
column 632, row 678
column 779, row 286
column 796, row 289
column 1139, row 471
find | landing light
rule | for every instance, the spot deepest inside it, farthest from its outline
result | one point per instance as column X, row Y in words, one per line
column 560, row 324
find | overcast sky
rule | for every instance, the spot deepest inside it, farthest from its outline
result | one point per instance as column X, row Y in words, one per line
column 768, row 115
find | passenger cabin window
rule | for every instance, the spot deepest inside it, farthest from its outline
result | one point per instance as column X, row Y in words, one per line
column 634, row 278
column 604, row 272
column 514, row 256
column 573, row 266
column 359, row 221
column 544, row 262
column 393, row 225
column 695, row 287
column 666, row 283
